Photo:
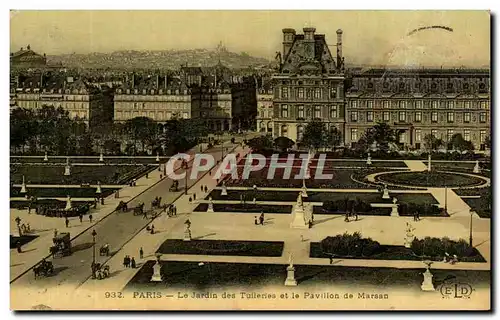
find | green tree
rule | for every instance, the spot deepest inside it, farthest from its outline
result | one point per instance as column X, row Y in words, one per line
column 333, row 138
column 314, row 135
column 260, row 143
column 141, row 130
column 283, row 143
column 457, row 142
column 382, row 135
column 432, row 143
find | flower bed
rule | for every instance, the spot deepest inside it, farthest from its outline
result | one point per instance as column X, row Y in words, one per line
column 329, row 163
column 51, row 203
column 95, row 160
column 435, row 249
column 245, row 208
column 62, row 192
column 429, row 179
column 341, row 179
column 223, row 247
column 79, row 174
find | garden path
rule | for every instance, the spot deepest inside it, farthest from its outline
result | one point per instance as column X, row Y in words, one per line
column 415, row 165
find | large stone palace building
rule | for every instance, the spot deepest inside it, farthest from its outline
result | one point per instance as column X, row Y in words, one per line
column 309, row 84
column 420, row 102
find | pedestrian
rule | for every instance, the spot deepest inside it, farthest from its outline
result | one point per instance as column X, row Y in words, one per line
column 310, row 224
column 190, row 200
column 90, row 218
column 132, row 263
column 125, row 261
column 144, row 214
column 161, row 176
column 346, row 219
column 175, row 210
column 80, row 216
column 418, row 216
column 141, row 253
column 152, row 229
column 18, row 246
column 331, row 259
column 194, row 196
column 201, row 188
column 255, row 220
column 210, row 172
column 301, row 238
column 206, row 189
column 67, row 222
column 95, row 204
column 102, row 200
column 55, row 233
column 415, row 216
column 356, row 215
column 29, row 209
column 147, row 175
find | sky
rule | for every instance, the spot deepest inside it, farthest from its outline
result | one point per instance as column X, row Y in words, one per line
column 370, row 37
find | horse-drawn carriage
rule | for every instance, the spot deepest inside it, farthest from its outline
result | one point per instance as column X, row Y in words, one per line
column 62, row 245
column 104, row 250
column 44, row 268
column 175, row 186
column 100, row 271
column 156, row 203
column 122, row 206
column 139, row 209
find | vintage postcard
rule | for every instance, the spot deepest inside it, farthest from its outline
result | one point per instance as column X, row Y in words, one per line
column 250, row 160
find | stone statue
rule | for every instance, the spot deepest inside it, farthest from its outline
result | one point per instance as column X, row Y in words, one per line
column 299, row 199
column 290, row 259
column 278, row 58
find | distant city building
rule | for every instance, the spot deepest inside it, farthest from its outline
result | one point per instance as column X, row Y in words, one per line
column 82, row 101
column 264, row 119
column 309, row 84
column 27, row 58
column 416, row 103
column 159, row 97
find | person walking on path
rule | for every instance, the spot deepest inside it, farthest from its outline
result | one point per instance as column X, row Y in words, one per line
column 66, row 220
column 255, row 220
column 346, row 219
column 80, row 216
column 415, row 216
column 190, row 200
column 261, row 218
column 418, row 216
column 355, row 213
column 90, row 218
column 141, row 253
column 152, row 229
column 201, row 188
column 125, row 261
column 206, row 189
column 194, row 196
column 132, row 263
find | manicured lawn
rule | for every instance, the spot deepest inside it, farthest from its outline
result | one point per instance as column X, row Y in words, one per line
column 22, row 239
column 479, row 205
column 62, row 192
column 245, row 208
column 372, row 212
column 332, row 163
column 341, row 179
column 190, row 276
column 47, row 202
column 390, row 253
column 451, row 164
column 79, row 174
column 223, row 247
column 429, row 179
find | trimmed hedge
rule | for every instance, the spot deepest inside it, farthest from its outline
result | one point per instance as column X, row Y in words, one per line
column 350, row 245
column 425, row 210
column 435, row 249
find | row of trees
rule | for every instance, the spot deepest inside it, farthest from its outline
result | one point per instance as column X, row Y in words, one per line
column 51, row 130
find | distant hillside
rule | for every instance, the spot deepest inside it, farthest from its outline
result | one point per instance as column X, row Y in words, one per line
column 168, row 59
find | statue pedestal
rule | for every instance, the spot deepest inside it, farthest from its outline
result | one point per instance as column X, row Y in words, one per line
column 476, row 168
column 386, row 194
column 68, row 205
column 157, row 157
column 45, row 158
column 210, row 207
column 290, row 277
column 187, row 235
column 408, row 240
column 67, row 170
column 394, row 211
column 369, row 161
column 299, row 218
column 224, row 191
column 156, row 277
column 23, row 188
column 101, row 157
column 304, row 192
column 427, row 284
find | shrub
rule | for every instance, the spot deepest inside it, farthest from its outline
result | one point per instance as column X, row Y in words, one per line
column 350, row 245
column 436, row 248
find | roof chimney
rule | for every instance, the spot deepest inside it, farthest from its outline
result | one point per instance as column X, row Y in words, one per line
column 288, row 37
column 339, row 47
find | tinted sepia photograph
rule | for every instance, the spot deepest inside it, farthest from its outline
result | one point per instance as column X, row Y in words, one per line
column 250, row 160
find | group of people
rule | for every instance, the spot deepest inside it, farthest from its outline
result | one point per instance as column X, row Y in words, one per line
column 351, row 213
column 133, row 183
column 260, row 220
column 129, row 262
column 151, row 229
column 171, row 210
column 204, row 188
column 416, row 216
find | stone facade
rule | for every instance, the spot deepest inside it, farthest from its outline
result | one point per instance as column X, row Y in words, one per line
column 309, row 85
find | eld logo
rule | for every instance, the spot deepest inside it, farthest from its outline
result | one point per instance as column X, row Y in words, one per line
column 456, row 290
